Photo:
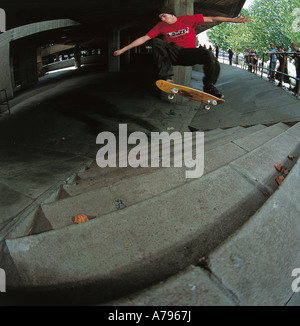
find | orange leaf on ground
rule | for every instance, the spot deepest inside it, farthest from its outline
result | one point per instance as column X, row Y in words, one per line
column 286, row 172
column 279, row 180
column 80, row 218
column 278, row 167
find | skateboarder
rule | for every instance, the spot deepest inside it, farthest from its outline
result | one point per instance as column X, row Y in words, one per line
column 179, row 46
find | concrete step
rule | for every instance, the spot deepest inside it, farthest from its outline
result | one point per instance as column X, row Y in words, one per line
column 102, row 194
column 256, row 263
column 97, row 200
column 258, row 165
column 238, row 267
column 124, row 245
column 190, row 287
column 250, row 142
column 95, row 197
column 232, row 134
column 220, row 133
column 236, row 272
column 95, row 177
column 93, row 170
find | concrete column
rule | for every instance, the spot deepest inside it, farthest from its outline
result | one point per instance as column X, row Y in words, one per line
column 5, row 64
column 77, row 57
column 39, row 62
column 127, row 53
column 113, row 45
column 28, row 65
column 182, row 75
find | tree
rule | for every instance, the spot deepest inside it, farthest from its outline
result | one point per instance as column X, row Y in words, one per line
column 276, row 21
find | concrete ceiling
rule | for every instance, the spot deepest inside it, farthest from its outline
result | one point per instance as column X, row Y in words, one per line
column 98, row 17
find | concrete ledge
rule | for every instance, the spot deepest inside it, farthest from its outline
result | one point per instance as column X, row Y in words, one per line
column 125, row 245
column 258, row 165
column 256, row 264
column 253, row 141
column 95, row 193
column 191, row 287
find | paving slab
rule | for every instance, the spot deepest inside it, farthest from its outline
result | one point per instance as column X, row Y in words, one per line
column 97, row 179
column 32, row 171
column 92, row 204
column 191, row 287
column 294, row 301
column 231, row 136
column 221, row 155
column 294, row 131
column 256, row 139
column 256, row 263
column 11, row 203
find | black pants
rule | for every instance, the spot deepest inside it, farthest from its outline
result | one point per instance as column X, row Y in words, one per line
column 167, row 55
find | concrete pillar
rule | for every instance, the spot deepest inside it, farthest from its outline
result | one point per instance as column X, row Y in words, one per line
column 28, row 66
column 127, row 53
column 77, row 57
column 39, row 61
column 5, row 64
column 182, row 75
column 113, row 45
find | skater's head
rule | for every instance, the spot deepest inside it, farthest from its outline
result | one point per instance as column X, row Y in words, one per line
column 167, row 15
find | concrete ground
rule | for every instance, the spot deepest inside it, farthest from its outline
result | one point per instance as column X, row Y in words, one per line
column 51, row 132
column 52, row 129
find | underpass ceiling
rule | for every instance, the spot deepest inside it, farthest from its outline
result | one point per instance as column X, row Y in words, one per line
column 98, row 17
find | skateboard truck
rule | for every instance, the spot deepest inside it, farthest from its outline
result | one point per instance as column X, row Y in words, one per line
column 210, row 102
column 174, row 91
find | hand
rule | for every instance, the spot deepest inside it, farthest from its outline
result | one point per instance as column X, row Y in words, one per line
column 242, row 20
column 117, row 53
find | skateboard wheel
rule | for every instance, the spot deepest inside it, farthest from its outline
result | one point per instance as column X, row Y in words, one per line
column 171, row 97
column 214, row 102
column 174, row 90
column 207, row 107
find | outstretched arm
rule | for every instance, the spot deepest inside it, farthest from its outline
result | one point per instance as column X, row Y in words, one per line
column 238, row 20
column 134, row 44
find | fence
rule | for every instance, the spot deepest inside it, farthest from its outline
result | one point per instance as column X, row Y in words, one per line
column 4, row 99
column 262, row 67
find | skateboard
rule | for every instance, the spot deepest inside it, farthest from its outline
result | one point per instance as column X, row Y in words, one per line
column 174, row 89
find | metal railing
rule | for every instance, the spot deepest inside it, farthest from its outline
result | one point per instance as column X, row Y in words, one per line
column 262, row 67
column 5, row 101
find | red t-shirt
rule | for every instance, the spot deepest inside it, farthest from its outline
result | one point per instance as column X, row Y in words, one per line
column 182, row 33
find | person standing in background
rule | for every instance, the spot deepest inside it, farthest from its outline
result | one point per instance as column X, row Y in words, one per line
column 273, row 61
column 230, row 52
column 296, row 57
column 217, row 50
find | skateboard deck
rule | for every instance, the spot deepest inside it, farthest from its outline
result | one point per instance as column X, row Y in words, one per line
column 194, row 94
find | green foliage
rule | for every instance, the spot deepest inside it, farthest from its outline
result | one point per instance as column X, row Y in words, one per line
column 276, row 21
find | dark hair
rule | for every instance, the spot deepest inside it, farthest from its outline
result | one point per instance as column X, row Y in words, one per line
column 165, row 10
